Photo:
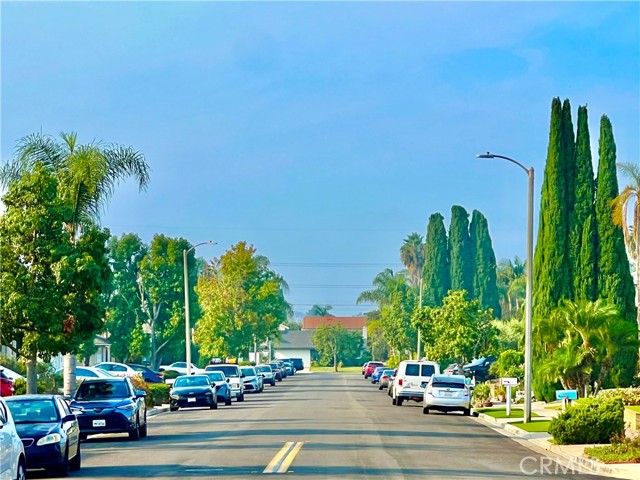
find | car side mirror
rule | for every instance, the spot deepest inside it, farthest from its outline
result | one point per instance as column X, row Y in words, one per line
column 227, row 380
column 141, row 393
column 69, row 418
column 242, row 376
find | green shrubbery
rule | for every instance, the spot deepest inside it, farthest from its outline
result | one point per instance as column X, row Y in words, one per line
column 170, row 374
column 158, row 393
column 543, row 390
column 593, row 421
column 629, row 396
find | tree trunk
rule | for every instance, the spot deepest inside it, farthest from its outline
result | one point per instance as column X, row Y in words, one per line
column 335, row 364
column 69, row 374
column 32, row 374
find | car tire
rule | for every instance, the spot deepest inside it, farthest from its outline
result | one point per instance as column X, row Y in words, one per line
column 399, row 401
column 467, row 412
column 143, row 428
column 425, row 410
column 227, row 401
column 380, row 387
column 213, row 406
column 393, row 400
column 173, row 409
column 76, row 462
column 241, row 398
column 83, row 437
column 135, row 433
column 273, row 383
column 21, row 471
column 62, row 470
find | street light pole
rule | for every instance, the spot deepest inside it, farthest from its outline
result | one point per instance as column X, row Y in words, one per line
column 528, row 328
column 187, row 322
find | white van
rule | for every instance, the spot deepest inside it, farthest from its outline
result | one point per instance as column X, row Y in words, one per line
column 412, row 379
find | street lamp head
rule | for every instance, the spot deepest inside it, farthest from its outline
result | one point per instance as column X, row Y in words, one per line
column 486, row 155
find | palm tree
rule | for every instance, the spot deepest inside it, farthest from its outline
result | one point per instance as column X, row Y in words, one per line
column 87, row 176
column 629, row 198
column 412, row 255
column 384, row 285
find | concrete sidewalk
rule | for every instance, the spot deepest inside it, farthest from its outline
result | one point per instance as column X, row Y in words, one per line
column 572, row 454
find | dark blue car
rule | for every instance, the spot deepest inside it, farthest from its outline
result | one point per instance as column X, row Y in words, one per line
column 377, row 373
column 49, row 431
column 110, row 406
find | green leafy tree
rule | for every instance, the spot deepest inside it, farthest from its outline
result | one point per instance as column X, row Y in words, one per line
column 583, row 238
column 87, row 176
column 615, row 284
column 511, row 281
column 320, row 311
column 335, row 342
column 460, row 329
column 437, row 280
column 53, row 287
column 551, row 263
column 485, row 287
column 125, row 318
column 377, row 344
column 241, row 299
column 460, row 251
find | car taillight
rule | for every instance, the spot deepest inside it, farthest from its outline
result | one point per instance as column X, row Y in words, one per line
column 466, row 392
column 400, row 382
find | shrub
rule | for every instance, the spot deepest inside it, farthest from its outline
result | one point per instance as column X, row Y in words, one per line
column 140, row 384
column 170, row 374
column 20, row 386
column 481, row 393
column 594, row 421
column 629, row 396
column 543, row 390
column 159, row 393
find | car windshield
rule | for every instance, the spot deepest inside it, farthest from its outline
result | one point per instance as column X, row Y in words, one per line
column 215, row 376
column 228, row 370
column 33, row 411
column 249, row 371
column 263, row 369
column 387, row 372
column 196, row 381
column 102, row 390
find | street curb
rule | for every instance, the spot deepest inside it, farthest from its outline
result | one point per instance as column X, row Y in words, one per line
column 156, row 410
column 540, row 440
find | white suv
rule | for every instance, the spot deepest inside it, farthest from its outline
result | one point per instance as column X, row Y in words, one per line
column 12, row 459
column 412, row 379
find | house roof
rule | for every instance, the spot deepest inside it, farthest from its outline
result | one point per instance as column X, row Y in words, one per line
column 350, row 323
column 295, row 339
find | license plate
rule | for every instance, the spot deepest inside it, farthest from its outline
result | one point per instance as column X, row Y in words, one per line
column 448, row 394
column 191, row 399
column 99, row 423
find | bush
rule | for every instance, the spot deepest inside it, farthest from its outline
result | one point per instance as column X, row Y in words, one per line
column 543, row 390
column 159, row 393
column 170, row 374
column 593, row 421
column 140, row 384
column 629, row 396
column 20, row 386
column 481, row 392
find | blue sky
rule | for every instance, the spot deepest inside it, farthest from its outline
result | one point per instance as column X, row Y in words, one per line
column 322, row 133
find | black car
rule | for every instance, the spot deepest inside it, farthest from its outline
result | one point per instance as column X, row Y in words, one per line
column 192, row 391
column 49, row 431
column 149, row 375
column 221, row 382
column 298, row 364
column 276, row 371
column 110, row 406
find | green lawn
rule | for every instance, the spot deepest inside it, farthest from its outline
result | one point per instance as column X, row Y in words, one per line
column 535, row 426
column 340, row 370
column 628, row 452
column 502, row 412
column 635, row 408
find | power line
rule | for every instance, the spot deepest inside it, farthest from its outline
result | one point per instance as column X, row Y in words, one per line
column 333, row 264
column 330, row 286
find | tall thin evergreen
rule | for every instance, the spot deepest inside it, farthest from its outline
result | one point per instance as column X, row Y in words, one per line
column 437, row 281
column 583, row 237
column 569, row 167
column 615, row 283
column 485, row 286
column 461, row 266
column 551, row 262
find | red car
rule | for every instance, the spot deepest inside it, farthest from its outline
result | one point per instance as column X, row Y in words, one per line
column 6, row 385
column 371, row 366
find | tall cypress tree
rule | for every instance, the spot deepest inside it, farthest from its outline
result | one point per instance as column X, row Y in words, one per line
column 615, row 283
column 583, row 237
column 436, row 266
column 485, row 286
column 461, row 267
column 569, row 167
column 551, row 263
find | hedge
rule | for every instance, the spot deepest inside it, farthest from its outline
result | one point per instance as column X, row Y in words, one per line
column 159, row 393
column 594, row 421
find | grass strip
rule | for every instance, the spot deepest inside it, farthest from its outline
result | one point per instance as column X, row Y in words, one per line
column 502, row 412
column 536, row 426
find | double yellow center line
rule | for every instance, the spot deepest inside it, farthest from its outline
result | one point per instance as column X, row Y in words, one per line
column 284, row 458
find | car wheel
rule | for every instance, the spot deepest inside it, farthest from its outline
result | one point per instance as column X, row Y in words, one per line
column 213, row 406
column 399, row 401
column 273, row 383
column 393, row 400
column 75, row 462
column 143, row 428
column 63, row 469
column 241, row 398
column 135, row 433
column 380, row 387
column 425, row 410
column 21, row 472
column 467, row 412
column 83, row 436
column 173, row 409
column 227, row 401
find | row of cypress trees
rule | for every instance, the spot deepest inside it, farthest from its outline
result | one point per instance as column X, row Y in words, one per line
column 580, row 252
column 463, row 261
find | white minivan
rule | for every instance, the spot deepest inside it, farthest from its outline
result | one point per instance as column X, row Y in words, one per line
column 12, row 458
column 412, row 379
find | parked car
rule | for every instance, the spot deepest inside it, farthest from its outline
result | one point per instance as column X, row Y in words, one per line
column 110, row 405
column 364, row 366
column 252, row 381
column 411, row 380
column 233, row 373
column 223, row 392
column 181, row 368
column 117, row 369
column 387, row 373
column 370, row 368
column 192, row 391
column 7, row 387
column 520, row 396
column 150, row 376
column 298, row 364
column 267, row 374
column 10, row 373
column 377, row 373
column 13, row 462
column 479, row 368
column 452, row 369
column 283, row 368
column 447, row 393
column 49, row 431
column 276, row 371
column 83, row 373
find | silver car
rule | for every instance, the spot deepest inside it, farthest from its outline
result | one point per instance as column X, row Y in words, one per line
column 447, row 393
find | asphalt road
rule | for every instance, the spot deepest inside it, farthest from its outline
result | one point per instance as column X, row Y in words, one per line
column 317, row 425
